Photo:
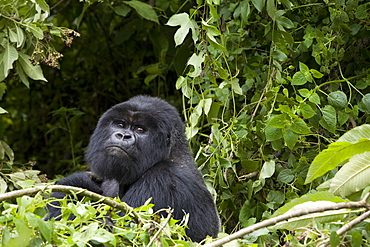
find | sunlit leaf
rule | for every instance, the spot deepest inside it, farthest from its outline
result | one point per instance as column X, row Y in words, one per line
column 353, row 176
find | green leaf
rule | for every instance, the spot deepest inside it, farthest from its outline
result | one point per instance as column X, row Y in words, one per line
column 290, row 138
column 299, row 126
column 235, row 86
column 278, row 121
column 362, row 12
column 331, row 157
column 316, row 73
column 32, row 71
column 285, row 22
column 338, row 99
column 299, row 79
column 353, row 176
column 9, row 56
column 144, row 10
column 268, row 169
column 364, row 104
column 329, row 118
column 196, row 61
column 356, row 134
column 122, row 10
column 185, row 24
column 315, row 98
column 2, row 110
column 21, row 74
column 259, row 4
column 35, row 30
column 279, row 55
column 306, row 110
column 273, row 133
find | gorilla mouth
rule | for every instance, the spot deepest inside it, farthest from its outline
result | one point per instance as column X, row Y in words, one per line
column 114, row 149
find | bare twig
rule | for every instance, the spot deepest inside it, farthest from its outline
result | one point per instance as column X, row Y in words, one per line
column 287, row 216
column 160, row 229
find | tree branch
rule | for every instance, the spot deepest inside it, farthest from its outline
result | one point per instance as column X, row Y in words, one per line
column 287, row 216
column 69, row 190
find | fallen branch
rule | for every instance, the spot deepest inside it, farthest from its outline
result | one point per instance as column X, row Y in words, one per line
column 287, row 216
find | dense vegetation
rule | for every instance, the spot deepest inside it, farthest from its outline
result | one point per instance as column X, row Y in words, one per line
column 275, row 96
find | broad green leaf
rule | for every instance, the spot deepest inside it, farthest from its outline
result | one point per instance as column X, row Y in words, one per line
column 36, row 31
column 259, row 4
column 299, row 79
column 32, row 71
column 306, row 110
column 329, row 118
column 285, row 22
column 2, row 110
column 278, row 121
column 7, row 150
column 3, row 185
column 331, row 157
column 181, row 81
column 364, row 104
column 314, row 98
column 279, row 55
column 353, row 176
column 271, row 8
column 9, row 56
column 207, row 103
column 316, row 73
column 21, row 74
column 196, row 61
column 290, row 138
column 185, row 24
column 273, row 133
column 268, row 169
column 356, row 134
column 144, row 10
column 122, row 10
column 235, row 86
column 286, row 176
column 362, row 11
column 338, row 99
column 299, row 126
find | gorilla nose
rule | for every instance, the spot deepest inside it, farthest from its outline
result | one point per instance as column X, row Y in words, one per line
column 123, row 136
column 125, row 139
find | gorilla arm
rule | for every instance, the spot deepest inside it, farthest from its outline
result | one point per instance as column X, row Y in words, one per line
column 85, row 180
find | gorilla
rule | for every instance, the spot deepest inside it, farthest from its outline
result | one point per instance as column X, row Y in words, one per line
column 139, row 150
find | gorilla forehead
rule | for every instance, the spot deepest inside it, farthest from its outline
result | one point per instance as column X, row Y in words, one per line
column 145, row 110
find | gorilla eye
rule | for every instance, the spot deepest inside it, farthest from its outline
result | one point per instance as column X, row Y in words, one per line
column 139, row 129
column 121, row 125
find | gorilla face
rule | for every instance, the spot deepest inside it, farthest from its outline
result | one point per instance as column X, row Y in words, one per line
column 131, row 137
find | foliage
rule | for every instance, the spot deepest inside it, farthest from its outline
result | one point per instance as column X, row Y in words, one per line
column 266, row 85
column 22, row 224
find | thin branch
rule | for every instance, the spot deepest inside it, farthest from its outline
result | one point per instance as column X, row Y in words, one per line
column 287, row 216
column 69, row 190
column 348, row 226
column 160, row 229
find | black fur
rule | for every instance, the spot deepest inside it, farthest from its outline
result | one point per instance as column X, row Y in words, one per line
column 139, row 150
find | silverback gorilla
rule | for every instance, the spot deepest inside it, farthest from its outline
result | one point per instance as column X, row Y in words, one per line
column 139, row 150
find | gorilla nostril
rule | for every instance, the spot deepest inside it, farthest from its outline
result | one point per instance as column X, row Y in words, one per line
column 127, row 136
column 119, row 136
